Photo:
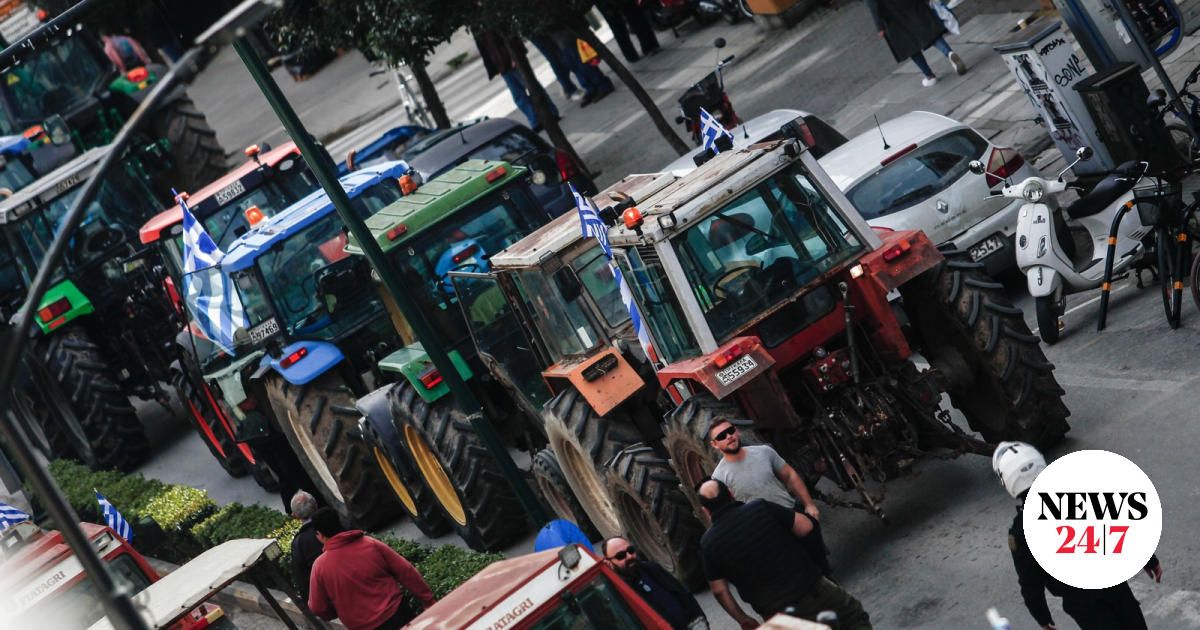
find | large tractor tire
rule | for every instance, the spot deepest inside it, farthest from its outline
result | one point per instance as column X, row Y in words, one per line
column 208, row 426
column 199, row 158
column 557, row 494
column 584, row 442
column 42, row 409
column 686, row 436
column 415, row 496
column 319, row 420
column 470, row 490
column 998, row 376
column 657, row 517
column 115, row 435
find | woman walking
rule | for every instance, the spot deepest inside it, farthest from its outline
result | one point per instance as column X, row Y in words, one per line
column 910, row 27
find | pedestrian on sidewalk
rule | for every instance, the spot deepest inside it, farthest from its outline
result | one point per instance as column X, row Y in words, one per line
column 910, row 27
column 655, row 585
column 758, row 472
column 305, row 546
column 558, row 64
column 593, row 81
column 1017, row 464
column 357, row 579
column 623, row 16
column 498, row 61
column 757, row 546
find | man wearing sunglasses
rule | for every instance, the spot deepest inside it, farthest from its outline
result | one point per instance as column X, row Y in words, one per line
column 670, row 599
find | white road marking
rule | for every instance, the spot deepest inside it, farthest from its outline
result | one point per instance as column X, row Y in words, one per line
column 1102, row 382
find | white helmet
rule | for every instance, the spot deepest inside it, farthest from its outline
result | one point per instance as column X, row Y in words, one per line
column 1017, row 464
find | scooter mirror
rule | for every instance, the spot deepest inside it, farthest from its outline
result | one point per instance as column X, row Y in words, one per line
column 720, row 43
column 1084, row 153
column 976, row 167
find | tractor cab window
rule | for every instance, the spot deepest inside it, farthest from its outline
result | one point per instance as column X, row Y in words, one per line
column 15, row 173
column 651, row 288
column 762, row 248
column 597, row 278
column 272, row 196
column 597, row 606
column 462, row 242
column 112, row 219
column 12, row 280
column 55, row 79
column 383, row 194
column 554, row 303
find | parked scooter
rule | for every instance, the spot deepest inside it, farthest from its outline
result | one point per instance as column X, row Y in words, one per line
column 1044, row 245
column 709, row 94
column 667, row 14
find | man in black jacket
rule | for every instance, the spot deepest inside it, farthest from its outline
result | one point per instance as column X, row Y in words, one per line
column 1114, row 608
column 670, row 599
column 305, row 546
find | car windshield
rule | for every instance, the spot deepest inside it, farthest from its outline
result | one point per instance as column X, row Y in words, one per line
column 462, row 243
column 56, row 79
column 113, row 218
column 596, row 606
column 762, row 248
column 515, row 147
column 80, row 606
column 917, row 175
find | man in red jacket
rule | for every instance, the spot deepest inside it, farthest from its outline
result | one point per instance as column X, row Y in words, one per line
column 357, row 579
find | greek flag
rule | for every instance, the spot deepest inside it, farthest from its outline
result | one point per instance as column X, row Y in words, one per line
column 10, row 516
column 710, row 130
column 594, row 227
column 210, row 296
column 114, row 518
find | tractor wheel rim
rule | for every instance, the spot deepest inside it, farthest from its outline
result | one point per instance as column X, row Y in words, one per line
column 986, row 404
column 393, row 479
column 555, row 498
column 589, row 488
column 316, row 456
column 644, row 532
column 435, row 475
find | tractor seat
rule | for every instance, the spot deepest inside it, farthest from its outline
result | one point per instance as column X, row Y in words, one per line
column 1107, row 191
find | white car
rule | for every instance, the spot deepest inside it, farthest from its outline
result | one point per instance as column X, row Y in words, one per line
column 919, row 181
column 766, row 127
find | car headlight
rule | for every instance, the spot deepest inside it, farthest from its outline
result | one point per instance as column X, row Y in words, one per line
column 1033, row 192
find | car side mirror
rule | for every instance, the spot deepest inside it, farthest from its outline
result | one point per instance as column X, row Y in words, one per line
column 544, row 171
column 57, row 129
column 976, row 167
column 1084, row 154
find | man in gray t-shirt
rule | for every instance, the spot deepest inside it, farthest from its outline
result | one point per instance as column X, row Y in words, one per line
column 757, row 472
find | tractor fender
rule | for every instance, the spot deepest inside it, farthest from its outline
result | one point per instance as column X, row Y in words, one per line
column 77, row 305
column 903, row 256
column 412, row 362
column 314, row 359
column 1043, row 280
column 379, row 430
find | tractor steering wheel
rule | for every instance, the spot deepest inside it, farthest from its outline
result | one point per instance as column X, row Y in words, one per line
column 100, row 241
column 735, row 280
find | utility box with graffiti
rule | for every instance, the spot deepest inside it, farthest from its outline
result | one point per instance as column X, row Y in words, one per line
column 1047, row 67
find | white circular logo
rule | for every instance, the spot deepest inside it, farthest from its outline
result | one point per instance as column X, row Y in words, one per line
column 1092, row 519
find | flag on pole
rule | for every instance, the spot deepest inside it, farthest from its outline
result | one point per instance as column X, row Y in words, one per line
column 710, row 130
column 10, row 516
column 593, row 227
column 114, row 518
column 217, row 309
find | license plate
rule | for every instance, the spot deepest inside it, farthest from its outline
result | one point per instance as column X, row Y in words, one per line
column 985, row 248
column 739, row 369
column 229, row 193
column 259, row 333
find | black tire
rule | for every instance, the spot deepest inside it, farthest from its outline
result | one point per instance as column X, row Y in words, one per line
column 658, row 518
column 1047, row 318
column 584, row 442
column 318, row 419
column 1194, row 280
column 1170, row 280
column 1181, row 141
column 110, row 423
column 478, row 502
column 415, row 497
column 38, row 402
column 208, row 426
column 685, row 432
column 744, row 7
column 198, row 156
column 557, row 495
column 1008, row 390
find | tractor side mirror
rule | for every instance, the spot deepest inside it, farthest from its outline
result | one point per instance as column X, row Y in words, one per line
column 568, row 284
column 976, row 167
column 545, row 171
column 57, row 129
column 1084, row 154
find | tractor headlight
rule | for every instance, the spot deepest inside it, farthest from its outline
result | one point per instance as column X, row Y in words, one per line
column 1033, row 192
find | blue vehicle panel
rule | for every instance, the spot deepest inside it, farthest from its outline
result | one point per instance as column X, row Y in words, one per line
column 314, row 358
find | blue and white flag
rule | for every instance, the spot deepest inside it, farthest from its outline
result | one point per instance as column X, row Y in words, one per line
column 114, row 518
column 710, row 130
column 10, row 516
column 593, row 227
column 211, row 297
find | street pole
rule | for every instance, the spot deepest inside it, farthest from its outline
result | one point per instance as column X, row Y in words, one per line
column 322, row 166
column 1148, row 51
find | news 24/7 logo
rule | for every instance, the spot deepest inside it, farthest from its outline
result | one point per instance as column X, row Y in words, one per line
column 1092, row 519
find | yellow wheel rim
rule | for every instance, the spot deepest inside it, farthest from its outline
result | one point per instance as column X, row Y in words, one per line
column 393, row 478
column 431, row 469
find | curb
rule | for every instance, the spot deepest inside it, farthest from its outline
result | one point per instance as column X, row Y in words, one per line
column 245, row 596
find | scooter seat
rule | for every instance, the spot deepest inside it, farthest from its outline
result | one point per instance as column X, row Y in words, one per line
column 1106, row 192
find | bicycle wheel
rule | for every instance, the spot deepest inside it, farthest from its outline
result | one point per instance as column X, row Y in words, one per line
column 1181, row 141
column 1170, row 280
column 1195, row 280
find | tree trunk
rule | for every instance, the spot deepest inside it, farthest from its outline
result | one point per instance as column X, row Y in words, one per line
column 541, row 101
column 581, row 31
column 433, row 102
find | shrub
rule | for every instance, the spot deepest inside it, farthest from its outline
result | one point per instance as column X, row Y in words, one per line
column 449, row 566
column 130, row 494
column 180, row 507
column 239, row 521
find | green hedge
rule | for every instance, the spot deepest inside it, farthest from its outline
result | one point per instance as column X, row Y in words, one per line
column 193, row 522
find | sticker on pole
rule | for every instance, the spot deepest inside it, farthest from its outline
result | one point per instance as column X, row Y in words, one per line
column 1092, row 519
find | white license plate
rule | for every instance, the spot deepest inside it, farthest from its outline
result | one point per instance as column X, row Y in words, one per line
column 986, row 248
column 737, row 370
column 229, row 193
column 259, row 333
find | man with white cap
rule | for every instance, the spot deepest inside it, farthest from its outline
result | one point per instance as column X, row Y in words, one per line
column 1017, row 464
